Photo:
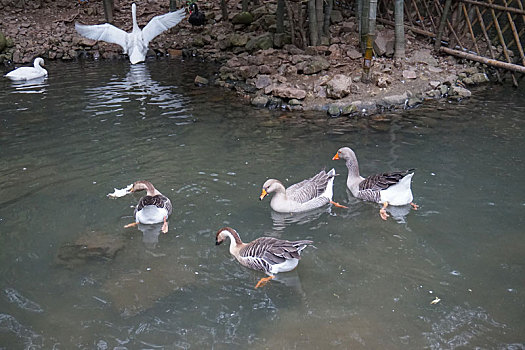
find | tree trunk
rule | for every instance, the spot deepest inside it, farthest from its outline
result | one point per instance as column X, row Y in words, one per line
column 372, row 18
column 245, row 5
column 319, row 17
column 365, row 11
column 173, row 5
column 279, row 17
column 108, row 10
column 327, row 16
column 224, row 10
column 400, row 31
column 312, row 23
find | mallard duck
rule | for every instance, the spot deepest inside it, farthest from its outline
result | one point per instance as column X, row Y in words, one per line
column 135, row 44
column 267, row 254
column 153, row 208
column 303, row 196
column 28, row 73
column 196, row 18
column 386, row 188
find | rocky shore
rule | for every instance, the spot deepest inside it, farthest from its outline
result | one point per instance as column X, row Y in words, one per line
column 261, row 65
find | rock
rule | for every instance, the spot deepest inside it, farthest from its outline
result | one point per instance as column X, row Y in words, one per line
column 383, row 81
column 354, row 54
column 293, row 50
column 265, row 69
column 409, row 74
column 434, row 84
column 393, row 100
column 480, row 78
column 443, row 89
column 423, row 56
column 339, row 86
column 285, row 91
column 87, row 42
column 262, row 81
column 260, row 101
column 336, row 16
column 262, row 42
column 199, row 81
column 281, row 39
column 242, row 18
column 238, row 39
column 384, row 43
column 334, row 110
column 349, row 109
column 294, row 102
column 223, row 42
column 249, row 71
column 90, row 246
column 459, row 91
column 174, row 53
column 3, row 42
column 414, row 101
column 314, row 65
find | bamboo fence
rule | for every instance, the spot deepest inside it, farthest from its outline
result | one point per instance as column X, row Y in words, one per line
column 490, row 31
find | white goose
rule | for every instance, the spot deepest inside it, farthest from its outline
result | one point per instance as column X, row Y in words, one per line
column 267, row 254
column 386, row 188
column 28, row 73
column 153, row 208
column 303, row 196
column 134, row 44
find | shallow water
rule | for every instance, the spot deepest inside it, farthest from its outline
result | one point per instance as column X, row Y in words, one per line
column 91, row 127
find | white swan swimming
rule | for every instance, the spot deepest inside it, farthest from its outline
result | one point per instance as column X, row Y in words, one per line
column 134, row 44
column 28, row 73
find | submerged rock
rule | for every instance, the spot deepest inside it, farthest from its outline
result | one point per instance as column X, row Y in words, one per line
column 93, row 245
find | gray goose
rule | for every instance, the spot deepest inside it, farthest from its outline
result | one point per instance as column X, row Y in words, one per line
column 267, row 254
column 153, row 208
column 387, row 188
column 306, row 195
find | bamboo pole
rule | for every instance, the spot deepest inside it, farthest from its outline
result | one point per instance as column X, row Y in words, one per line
column 470, row 28
column 494, row 6
column 430, row 17
column 421, row 20
column 442, row 22
column 484, row 60
column 516, row 36
column 502, row 41
column 487, row 39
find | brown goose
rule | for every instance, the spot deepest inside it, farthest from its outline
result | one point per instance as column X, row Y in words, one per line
column 306, row 195
column 153, row 208
column 386, row 188
column 267, row 254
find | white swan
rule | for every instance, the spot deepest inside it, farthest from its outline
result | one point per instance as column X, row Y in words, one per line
column 28, row 73
column 134, row 44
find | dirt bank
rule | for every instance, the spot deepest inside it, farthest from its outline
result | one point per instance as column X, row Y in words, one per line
column 261, row 65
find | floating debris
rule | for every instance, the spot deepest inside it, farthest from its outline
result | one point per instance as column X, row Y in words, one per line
column 120, row 193
column 435, row 301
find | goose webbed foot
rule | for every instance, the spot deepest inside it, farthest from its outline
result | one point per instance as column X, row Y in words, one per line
column 414, row 206
column 133, row 224
column 338, row 205
column 263, row 281
column 165, row 226
column 382, row 212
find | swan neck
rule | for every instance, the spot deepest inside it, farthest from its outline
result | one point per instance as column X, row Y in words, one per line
column 134, row 16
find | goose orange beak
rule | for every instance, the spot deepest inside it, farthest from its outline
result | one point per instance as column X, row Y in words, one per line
column 336, row 157
column 263, row 194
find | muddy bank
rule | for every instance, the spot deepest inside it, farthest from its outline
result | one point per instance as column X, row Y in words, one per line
column 261, row 65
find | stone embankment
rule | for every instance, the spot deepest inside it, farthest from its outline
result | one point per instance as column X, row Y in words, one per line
column 254, row 60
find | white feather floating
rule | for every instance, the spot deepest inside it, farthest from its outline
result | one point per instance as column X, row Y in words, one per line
column 120, row 193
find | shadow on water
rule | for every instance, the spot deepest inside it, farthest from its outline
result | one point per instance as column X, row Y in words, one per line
column 73, row 277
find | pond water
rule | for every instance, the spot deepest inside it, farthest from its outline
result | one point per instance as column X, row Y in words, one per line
column 67, row 141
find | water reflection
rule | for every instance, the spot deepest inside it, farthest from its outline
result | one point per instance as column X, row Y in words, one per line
column 33, row 86
column 282, row 220
column 139, row 89
column 150, row 234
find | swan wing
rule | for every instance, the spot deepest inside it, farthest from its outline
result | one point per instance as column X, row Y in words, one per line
column 106, row 32
column 158, row 24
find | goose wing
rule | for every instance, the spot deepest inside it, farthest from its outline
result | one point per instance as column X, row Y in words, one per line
column 160, row 201
column 309, row 189
column 106, row 32
column 158, row 24
column 263, row 252
column 379, row 182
